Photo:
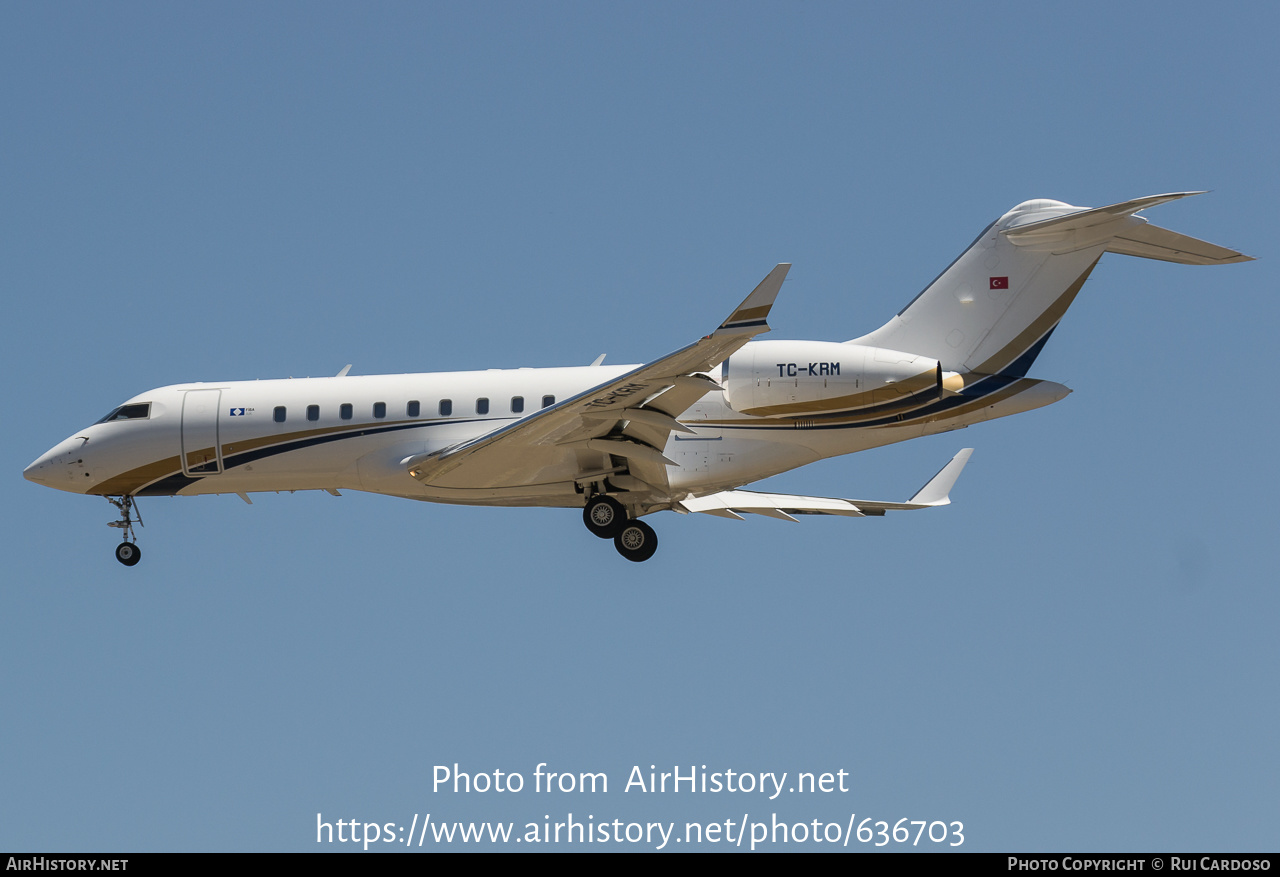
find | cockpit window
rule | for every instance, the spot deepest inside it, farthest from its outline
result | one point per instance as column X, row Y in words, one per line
column 136, row 411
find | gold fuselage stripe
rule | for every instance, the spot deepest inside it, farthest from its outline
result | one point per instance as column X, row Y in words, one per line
column 135, row 479
column 906, row 387
column 1051, row 316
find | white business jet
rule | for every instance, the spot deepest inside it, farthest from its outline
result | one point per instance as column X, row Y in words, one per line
column 682, row 433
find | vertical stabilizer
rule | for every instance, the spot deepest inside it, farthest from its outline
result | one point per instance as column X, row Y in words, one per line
column 993, row 309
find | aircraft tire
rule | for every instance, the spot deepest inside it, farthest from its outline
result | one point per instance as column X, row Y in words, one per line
column 128, row 553
column 604, row 516
column 636, row 541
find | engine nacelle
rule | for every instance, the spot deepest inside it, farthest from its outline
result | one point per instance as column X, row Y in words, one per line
column 799, row 378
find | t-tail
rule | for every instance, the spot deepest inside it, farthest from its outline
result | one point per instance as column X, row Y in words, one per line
column 992, row 310
column 961, row 350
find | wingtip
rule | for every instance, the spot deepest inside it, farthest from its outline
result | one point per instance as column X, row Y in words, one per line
column 752, row 315
column 937, row 491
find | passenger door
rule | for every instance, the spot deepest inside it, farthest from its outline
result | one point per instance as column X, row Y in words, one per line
column 201, row 452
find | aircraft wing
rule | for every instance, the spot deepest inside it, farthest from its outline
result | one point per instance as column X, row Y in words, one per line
column 728, row 503
column 631, row 417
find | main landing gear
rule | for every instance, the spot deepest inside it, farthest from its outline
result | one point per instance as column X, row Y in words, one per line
column 606, row 518
column 127, row 552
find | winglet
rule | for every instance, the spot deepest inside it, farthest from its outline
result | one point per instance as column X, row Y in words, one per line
column 938, row 490
column 750, row 317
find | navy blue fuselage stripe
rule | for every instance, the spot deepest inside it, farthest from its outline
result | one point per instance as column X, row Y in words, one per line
column 171, row 484
column 1022, row 364
column 920, row 397
column 984, row 387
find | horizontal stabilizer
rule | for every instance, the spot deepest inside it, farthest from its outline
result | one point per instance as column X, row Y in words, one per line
column 1081, row 219
column 1153, row 242
column 1123, row 233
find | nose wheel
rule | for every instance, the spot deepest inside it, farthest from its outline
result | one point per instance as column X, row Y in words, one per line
column 127, row 552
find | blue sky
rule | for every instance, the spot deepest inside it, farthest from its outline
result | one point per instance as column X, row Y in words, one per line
column 1078, row 653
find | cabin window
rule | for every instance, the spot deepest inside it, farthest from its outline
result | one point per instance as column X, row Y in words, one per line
column 517, row 404
column 136, row 411
column 379, row 409
column 279, row 414
column 446, row 407
column 482, row 405
column 548, row 401
column 344, row 410
column 413, row 409
column 313, row 412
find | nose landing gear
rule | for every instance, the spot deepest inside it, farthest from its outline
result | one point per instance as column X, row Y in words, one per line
column 127, row 552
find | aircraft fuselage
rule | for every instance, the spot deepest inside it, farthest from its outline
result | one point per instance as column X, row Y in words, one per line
column 354, row 432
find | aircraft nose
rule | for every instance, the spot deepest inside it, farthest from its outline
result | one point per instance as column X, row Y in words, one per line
column 40, row 470
column 57, row 466
column 34, row 472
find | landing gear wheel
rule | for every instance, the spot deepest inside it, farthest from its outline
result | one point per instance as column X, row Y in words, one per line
column 636, row 541
column 128, row 553
column 604, row 516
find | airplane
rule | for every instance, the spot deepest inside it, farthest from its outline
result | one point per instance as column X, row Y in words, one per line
column 683, row 433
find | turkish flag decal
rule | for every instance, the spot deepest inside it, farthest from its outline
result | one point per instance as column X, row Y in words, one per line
column 999, row 282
